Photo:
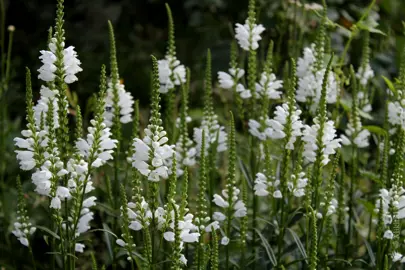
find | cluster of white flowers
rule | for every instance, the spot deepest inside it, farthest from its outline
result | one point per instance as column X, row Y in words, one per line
column 70, row 61
column 41, row 108
column 190, row 153
column 364, row 74
column 26, row 156
column 307, row 6
column 361, row 139
column 152, row 154
column 394, row 197
column 329, row 141
column 275, row 128
column 298, row 184
column 139, row 215
column 229, row 80
column 125, row 103
column 171, row 73
column 396, row 113
column 268, row 86
column 248, row 35
column 310, row 80
column 238, row 207
column 213, row 133
column 266, row 184
column 103, row 150
column 23, row 229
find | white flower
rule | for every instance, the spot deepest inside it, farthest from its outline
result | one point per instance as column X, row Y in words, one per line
column 310, row 87
column 23, row 230
column 71, row 64
column 55, row 203
column 255, row 129
column 329, row 142
column 41, row 108
column 396, row 256
column 240, row 209
column 183, row 259
column 243, row 92
column 171, row 73
column 227, row 81
column 268, row 86
column 79, row 247
column 396, row 113
column 120, row 242
column 152, row 154
column 305, row 63
column 313, row 6
column 212, row 226
column 212, row 131
column 219, row 201
column 277, row 194
column 224, row 241
column 388, row 235
column 103, row 149
column 364, row 74
column 125, row 104
column 41, row 179
column 83, row 224
column 248, row 35
column 89, row 202
column 275, row 127
column 362, row 138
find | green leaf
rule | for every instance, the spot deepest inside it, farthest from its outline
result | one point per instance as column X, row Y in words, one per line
column 390, row 85
column 376, row 130
column 269, row 250
column 299, row 244
column 245, row 172
column 372, row 176
column 51, row 233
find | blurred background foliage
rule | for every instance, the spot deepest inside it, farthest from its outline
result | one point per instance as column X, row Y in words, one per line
column 141, row 30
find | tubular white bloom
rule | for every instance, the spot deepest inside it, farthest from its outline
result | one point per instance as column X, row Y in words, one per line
column 71, row 64
column 152, row 154
column 120, row 242
column 171, row 73
column 396, row 257
column 396, row 113
column 219, row 201
column 256, row 129
column 362, row 138
column 23, row 229
column 224, row 241
column 298, row 184
column 275, row 127
column 125, row 103
column 41, row 108
column 248, row 35
column 212, row 226
column 329, row 142
column 388, row 234
column 103, row 150
column 140, row 214
column 305, row 63
column 310, row 87
column 79, row 247
column 83, row 224
column 184, row 157
column 227, row 81
column 364, row 74
column 268, row 86
column 243, row 92
column 213, row 131
column 265, row 185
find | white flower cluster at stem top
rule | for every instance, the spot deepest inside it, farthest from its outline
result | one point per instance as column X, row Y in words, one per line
column 329, row 141
column 238, row 207
column 152, row 154
column 248, row 35
column 310, row 80
column 212, row 131
column 125, row 103
column 171, row 73
column 275, row 128
column 71, row 64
